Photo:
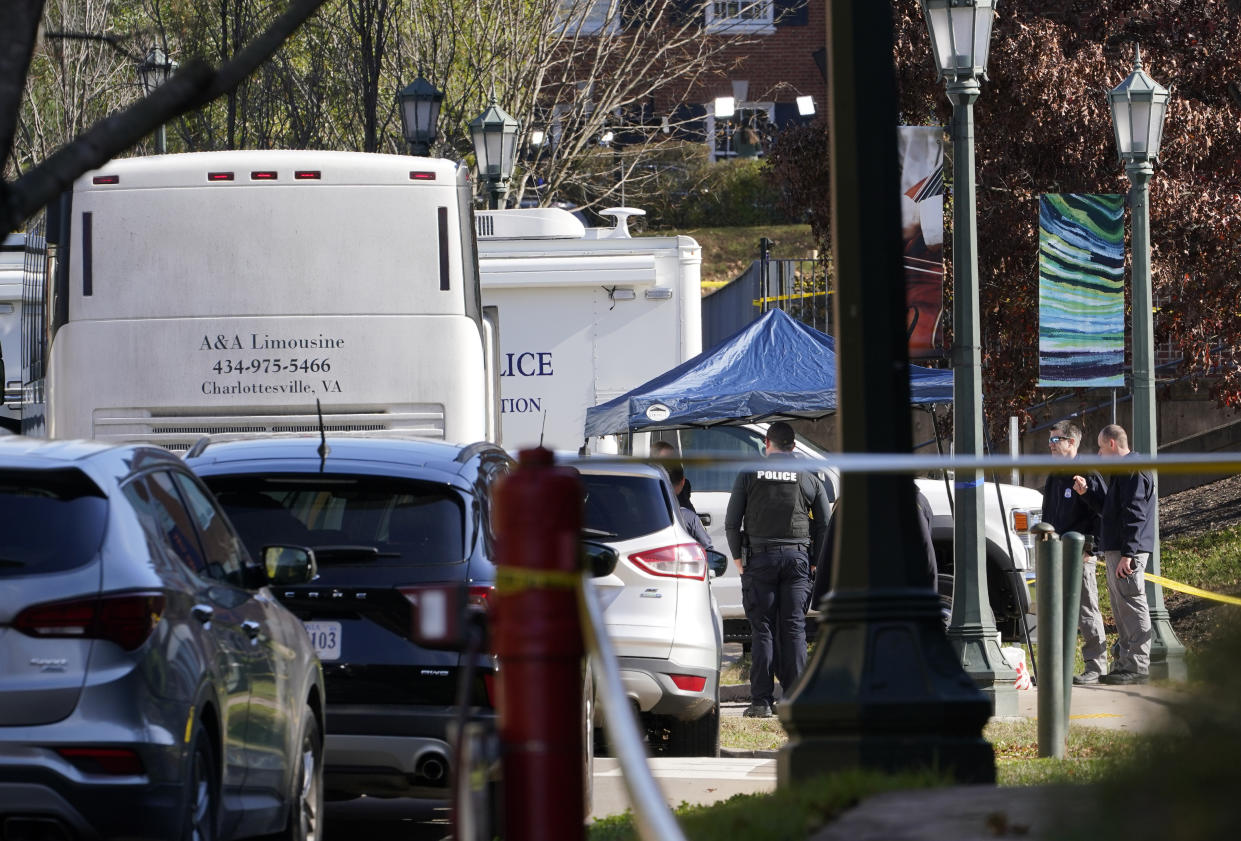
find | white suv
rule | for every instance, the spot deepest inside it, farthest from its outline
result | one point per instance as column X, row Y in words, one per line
column 658, row 605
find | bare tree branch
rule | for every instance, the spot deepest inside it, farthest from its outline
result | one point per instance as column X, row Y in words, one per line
column 17, row 39
column 194, row 85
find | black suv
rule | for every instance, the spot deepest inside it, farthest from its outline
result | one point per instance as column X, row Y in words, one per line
column 386, row 518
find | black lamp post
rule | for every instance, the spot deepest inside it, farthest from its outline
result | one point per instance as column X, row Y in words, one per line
column 1139, row 104
column 960, row 33
column 882, row 689
column 153, row 71
column 494, row 134
column 420, row 103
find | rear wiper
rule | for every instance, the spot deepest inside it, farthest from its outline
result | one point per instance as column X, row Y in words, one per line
column 352, row 553
column 589, row 532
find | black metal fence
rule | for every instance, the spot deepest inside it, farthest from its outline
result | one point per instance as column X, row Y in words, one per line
column 800, row 287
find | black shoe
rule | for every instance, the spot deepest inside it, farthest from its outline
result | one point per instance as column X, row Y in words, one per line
column 1086, row 679
column 758, row 709
column 1123, row 678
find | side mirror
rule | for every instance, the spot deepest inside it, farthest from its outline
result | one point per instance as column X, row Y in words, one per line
column 599, row 558
column 717, row 562
column 289, row 564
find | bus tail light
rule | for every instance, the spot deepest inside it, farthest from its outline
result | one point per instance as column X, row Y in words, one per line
column 106, row 179
column 307, row 175
column 264, row 175
column 219, row 176
column 418, row 175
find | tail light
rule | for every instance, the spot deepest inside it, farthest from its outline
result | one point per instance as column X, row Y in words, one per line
column 126, row 619
column 121, row 762
column 689, row 683
column 685, row 560
column 479, row 595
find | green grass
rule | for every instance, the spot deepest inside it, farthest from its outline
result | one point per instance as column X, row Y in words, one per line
column 726, row 252
column 1092, row 754
column 751, row 733
column 1211, row 561
column 788, row 814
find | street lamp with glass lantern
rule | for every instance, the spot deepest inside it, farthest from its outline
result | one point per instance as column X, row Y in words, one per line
column 960, row 33
column 420, row 103
column 495, row 146
column 153, row 71
column 1138, row 105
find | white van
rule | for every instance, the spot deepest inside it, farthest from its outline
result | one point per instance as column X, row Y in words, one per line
column 585, row 315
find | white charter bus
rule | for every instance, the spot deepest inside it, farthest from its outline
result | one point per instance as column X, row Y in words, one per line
column 228, row 291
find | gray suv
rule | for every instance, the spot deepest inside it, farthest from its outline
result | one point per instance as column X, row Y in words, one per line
column 152, row 685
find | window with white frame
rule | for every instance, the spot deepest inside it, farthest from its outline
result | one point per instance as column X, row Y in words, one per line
column 741, row 15
column 734, row 136
column 589, row 17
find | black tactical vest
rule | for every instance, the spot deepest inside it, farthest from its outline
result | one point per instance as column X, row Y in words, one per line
column 776, row 507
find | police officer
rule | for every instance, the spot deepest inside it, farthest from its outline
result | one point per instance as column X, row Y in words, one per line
column 776, row 522
column 1067, row 511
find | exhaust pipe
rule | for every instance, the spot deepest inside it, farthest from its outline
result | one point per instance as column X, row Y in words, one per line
column 432, row 767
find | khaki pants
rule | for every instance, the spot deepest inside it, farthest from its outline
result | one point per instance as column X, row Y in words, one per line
column 1090, row 619
column 1132, row 615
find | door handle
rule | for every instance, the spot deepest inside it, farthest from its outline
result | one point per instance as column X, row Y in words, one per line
column 705, row 518
column 251, row 628
column 202, row 613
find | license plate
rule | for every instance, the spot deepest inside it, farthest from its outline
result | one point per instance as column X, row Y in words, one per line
column 325, row 637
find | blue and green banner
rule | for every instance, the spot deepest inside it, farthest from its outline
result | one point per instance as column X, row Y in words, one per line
column 1081, row 290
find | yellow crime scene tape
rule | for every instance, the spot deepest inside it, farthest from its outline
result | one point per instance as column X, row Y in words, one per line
column 515, row 580
column 1183, row 588
column 1193, row 591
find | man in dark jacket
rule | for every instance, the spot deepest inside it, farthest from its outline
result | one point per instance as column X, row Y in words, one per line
column 1127, row 539
column 1067, row 511
column 663, row 449
column 775, row 523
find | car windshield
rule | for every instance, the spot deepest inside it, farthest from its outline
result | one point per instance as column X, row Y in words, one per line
column 50, row 521
column 624, row 507
column 347, row 519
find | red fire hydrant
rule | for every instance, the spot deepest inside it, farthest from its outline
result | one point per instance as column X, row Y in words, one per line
column 537, row 637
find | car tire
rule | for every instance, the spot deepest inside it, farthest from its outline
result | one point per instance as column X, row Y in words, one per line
column 588, row 742
column 306, row 798
column 202, row 789
column 944, row 586
column 700, row 737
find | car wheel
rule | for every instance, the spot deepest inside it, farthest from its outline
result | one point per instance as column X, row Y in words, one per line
column 588, row 742
column 306, row 800
column 944, row 586
column 700, row 737
column 202, row 790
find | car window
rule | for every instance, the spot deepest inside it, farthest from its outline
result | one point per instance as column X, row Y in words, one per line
column 165, row 520
column 226, row 557
column 720, row 440
column 50, row 521
column 404, row 521
column 625, row 506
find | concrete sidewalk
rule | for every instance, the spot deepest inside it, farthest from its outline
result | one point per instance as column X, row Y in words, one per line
column 1135, row 708
column 960, row 812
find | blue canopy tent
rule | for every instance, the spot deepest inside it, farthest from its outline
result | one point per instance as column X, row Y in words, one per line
column 774, row 369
